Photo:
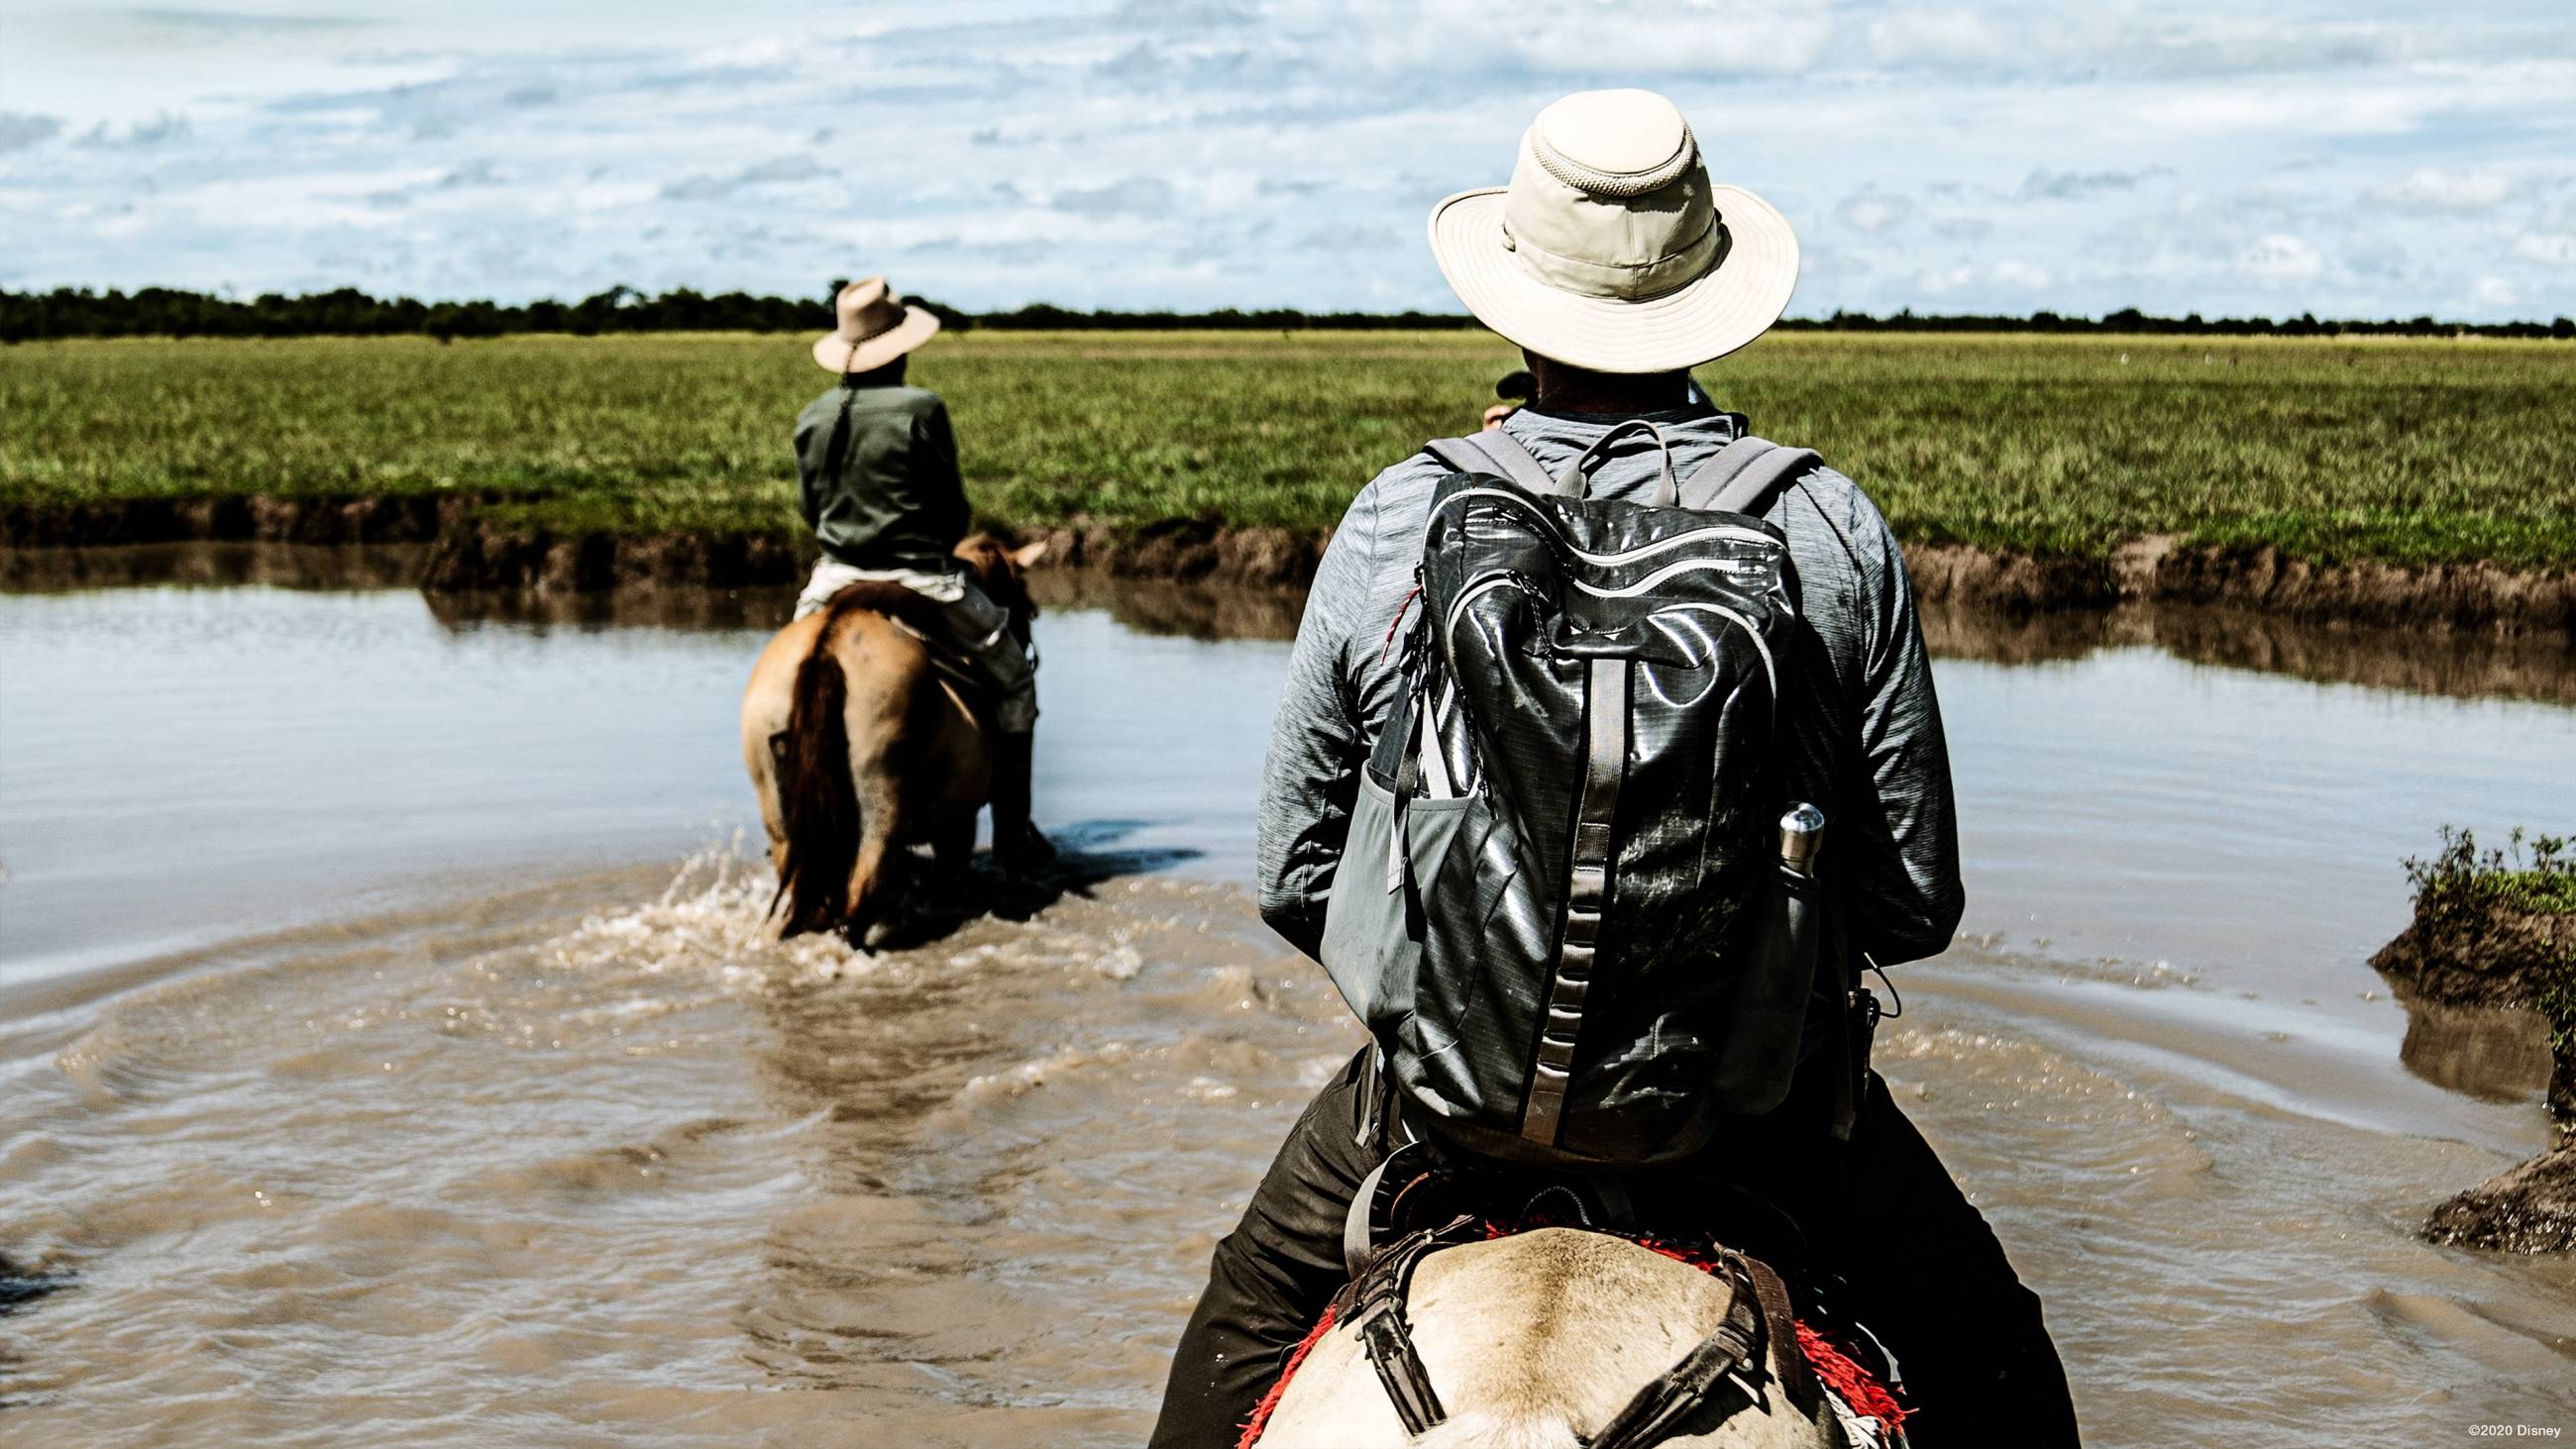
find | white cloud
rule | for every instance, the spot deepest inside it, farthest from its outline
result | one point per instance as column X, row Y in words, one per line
column 2445, row 190
column 2554, row 250
column 1133, row 195
column 2493, row 293
column 2280, row 257
column 776, row 170
column 1872, row 213
column 2044, row 185
column 2309, row 110
column 2013, row 272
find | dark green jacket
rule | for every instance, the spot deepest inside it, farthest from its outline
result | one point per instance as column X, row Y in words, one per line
column 895, row 501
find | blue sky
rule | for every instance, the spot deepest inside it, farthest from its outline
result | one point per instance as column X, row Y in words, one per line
column 2362, row 159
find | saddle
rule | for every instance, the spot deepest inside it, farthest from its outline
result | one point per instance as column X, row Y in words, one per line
column 1757, row 1342
column 952, row 664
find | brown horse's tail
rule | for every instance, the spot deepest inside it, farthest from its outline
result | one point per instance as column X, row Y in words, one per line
column 817, row 802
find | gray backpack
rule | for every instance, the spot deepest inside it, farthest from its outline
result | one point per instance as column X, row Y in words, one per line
column 1562, row 909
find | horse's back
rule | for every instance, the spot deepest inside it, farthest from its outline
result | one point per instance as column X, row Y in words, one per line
column 880, row 664
column 767, row 701
column 1533, row 1342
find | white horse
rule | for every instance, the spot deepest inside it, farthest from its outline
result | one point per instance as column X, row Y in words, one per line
column 1535, row 1341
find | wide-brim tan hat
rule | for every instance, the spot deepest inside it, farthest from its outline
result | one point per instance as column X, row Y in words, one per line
column 876, row 328
column 1611, row 249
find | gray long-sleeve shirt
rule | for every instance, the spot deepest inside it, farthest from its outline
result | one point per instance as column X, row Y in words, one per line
column 1864, row 734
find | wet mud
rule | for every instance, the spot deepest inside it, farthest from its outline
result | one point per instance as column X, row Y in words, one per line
column 2161, row 569
column 272, row 564
column 2529, row 1209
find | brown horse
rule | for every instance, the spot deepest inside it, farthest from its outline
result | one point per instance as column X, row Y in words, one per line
column 859, row 747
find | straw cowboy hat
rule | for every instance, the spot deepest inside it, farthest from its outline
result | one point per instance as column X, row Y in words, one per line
column 1611, row 249
column 876, row 328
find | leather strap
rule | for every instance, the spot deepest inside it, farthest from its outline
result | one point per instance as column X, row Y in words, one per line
column 1374, row 1306
column 1357, row 1240
column 1365, row 1219
column 836, row 449
column 1495, row 453
column 1744, row 476
column 1587, row 893
column 1388, row 1340
column 1780, row 1322
column 1655, row 1412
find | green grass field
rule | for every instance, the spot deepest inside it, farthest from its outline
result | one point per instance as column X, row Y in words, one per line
column 2405, row 451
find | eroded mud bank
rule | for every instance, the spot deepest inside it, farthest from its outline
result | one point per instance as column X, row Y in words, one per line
column 2502, row 957
column 466, row 552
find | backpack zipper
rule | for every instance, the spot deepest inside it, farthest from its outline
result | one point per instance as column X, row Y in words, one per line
column 1664, row 545
column 1671, row 570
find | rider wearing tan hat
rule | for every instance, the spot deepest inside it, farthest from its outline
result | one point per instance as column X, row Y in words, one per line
column 1611, row 249
column 877, row 479
column 1617, row 264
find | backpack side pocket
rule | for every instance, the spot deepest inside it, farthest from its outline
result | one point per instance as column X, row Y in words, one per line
column 1775, row 976
column 1372, row 944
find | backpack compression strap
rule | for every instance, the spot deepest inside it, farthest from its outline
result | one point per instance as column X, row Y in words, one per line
column 1744, row 475
column 1587, row 886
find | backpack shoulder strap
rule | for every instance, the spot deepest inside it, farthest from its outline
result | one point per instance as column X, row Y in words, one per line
column 1744, row 475
column 1495, row 453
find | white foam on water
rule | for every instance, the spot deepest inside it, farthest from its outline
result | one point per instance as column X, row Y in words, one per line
column 711, row 922
column 1028, row 1076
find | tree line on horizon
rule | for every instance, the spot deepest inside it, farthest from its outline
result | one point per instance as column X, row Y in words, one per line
column 348, row 312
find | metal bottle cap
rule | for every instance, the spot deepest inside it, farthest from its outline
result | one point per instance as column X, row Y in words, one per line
column 1802, row 835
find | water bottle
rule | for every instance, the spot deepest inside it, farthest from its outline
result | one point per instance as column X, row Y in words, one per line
column 1802, row 835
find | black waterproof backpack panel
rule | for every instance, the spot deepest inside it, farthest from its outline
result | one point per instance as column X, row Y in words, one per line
column 1594, row 688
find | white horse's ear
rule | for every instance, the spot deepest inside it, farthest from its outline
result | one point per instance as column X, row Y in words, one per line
column 1028, row 554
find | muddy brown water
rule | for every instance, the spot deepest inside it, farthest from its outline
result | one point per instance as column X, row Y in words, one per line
column 389, row 1050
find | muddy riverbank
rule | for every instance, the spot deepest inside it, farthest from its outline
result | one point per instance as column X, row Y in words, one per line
column 2484, row 941
column 467, row 553
column 2537, row 667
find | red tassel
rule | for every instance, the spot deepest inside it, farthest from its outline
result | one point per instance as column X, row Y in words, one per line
column 1855, row 1385
column 1260, row 1419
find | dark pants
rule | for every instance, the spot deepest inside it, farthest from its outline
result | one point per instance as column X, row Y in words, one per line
column 1920, row 1267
